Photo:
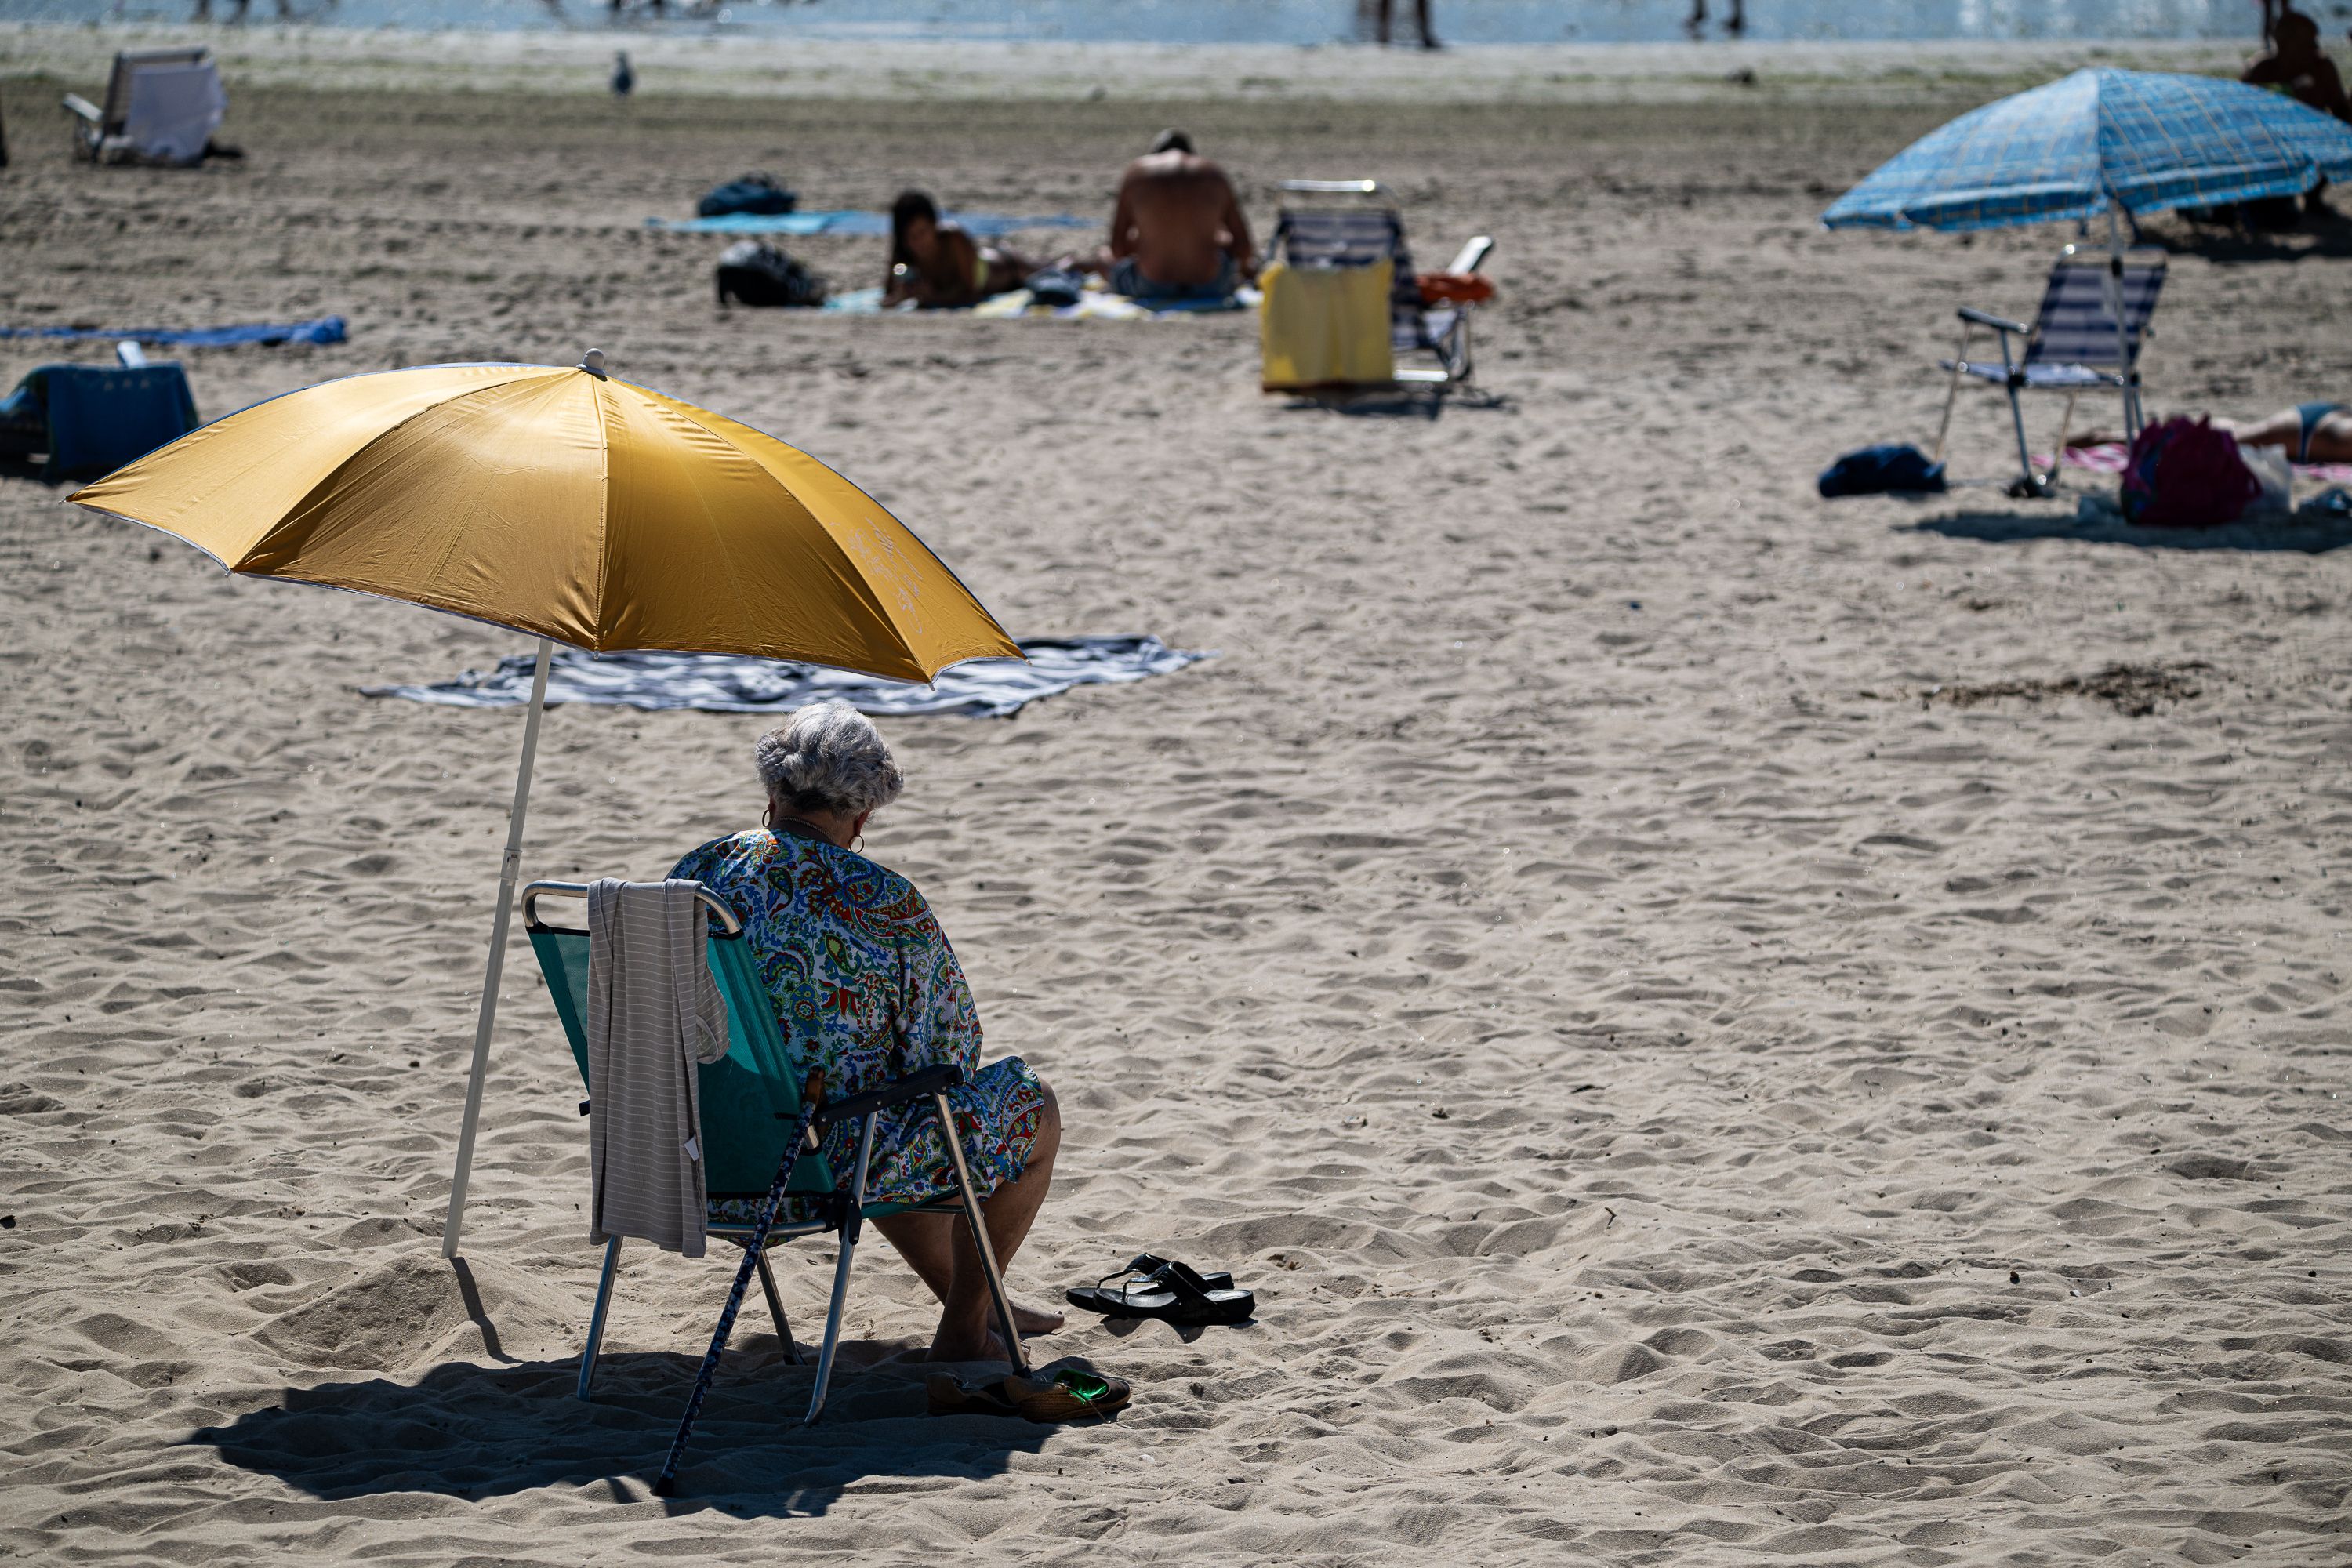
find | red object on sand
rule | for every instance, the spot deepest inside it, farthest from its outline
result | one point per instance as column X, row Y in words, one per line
column 2183, row 473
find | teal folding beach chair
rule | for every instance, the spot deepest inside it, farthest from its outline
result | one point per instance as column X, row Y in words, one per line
column 750, row 1101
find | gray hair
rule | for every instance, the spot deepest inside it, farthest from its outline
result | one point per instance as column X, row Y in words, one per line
column 828, row 757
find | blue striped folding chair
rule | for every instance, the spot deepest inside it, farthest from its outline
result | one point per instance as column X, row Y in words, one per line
column 1355, row 222
column 2095, row 314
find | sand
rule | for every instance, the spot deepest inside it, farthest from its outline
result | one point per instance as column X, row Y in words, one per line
column 1684, row 1087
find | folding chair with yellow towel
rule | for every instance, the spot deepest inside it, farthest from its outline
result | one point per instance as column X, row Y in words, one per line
column 1342, row 301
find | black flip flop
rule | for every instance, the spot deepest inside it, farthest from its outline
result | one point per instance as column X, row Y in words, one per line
column 1171, row 1291
column 1147, row 1265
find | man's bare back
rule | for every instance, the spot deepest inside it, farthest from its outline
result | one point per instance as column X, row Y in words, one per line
column 1178, row 219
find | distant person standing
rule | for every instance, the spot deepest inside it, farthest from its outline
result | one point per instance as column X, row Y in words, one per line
column 625, row 80
column 1178, row 233
column 1419, row 15
column 1734, row 26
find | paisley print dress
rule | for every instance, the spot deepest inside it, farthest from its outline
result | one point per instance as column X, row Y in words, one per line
column 866, row 987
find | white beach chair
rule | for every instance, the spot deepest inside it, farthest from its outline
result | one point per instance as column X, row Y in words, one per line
column 2094, row 313
column 162, row 107
column 1355, row 222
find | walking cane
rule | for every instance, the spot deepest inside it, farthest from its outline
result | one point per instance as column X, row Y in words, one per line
column 812, row 1099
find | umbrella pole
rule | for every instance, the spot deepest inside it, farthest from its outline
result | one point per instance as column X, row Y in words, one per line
column 508, row 870
column 2125, row 367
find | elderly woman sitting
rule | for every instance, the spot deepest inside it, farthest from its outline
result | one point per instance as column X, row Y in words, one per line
column 867, row 988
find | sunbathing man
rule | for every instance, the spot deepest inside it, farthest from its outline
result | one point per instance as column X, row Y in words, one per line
column 1179, row 233
column 2311, row 432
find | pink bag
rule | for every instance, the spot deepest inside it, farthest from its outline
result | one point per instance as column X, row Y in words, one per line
column 2184, row 473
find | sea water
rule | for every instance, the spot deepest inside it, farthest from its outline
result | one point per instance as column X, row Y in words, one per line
column 1301, row 22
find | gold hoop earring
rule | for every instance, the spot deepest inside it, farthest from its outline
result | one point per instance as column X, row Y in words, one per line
column 858, row 843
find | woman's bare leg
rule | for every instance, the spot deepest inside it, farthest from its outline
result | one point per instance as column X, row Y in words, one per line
column 927, row 1241
column 2283, row 428
column 938, row 1248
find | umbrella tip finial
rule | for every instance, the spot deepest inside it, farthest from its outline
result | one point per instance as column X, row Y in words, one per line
column 592, row 361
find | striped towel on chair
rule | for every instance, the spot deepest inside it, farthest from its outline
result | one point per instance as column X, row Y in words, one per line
column 654, row 1012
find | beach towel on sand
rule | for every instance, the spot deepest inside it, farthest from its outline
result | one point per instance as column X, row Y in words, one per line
column 985, row 226
column 723, row 683
column 1092, row 305
column 2114, row 458
column 322, row 329
column 653, row 1014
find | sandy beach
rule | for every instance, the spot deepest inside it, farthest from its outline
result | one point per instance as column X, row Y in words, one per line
column 1707, row 1046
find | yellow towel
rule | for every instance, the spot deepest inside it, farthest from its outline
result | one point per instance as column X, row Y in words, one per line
column 1326, row 326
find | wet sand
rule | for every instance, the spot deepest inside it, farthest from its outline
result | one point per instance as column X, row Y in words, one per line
column 1684, row 1087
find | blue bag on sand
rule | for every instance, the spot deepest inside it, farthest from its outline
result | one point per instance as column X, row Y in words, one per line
column 754, row 192
column 1876, row 471
column 92, row 419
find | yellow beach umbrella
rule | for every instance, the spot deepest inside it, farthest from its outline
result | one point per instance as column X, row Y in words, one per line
column 570, row 506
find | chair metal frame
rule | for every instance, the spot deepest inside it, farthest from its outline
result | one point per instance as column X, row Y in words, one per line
column 1413, row 326
column 845, row 1205
column 98, row 132
column 2027, row 371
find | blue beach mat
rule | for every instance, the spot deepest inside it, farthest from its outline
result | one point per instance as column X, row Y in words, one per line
column 987, row 225
column 721, row 683
column 324, row 330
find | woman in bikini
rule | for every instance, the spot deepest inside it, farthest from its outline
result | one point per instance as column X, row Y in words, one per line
column 938, row 266
column 2311, row 432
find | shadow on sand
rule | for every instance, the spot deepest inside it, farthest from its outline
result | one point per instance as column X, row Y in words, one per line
column 2315, row 239
column 2305, row 533
column 473, row 1432
column 26, row 468
column 1405, row 401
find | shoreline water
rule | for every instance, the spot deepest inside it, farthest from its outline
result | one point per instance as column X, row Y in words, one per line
column 1280, row 21
column 681, row 65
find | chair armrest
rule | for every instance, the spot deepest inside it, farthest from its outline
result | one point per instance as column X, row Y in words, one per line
column 1998, row 323
column 83, row 107
column 919, row 1085
column 1471, row 256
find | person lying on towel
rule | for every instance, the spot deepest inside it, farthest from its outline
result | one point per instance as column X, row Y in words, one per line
column 1178, row 234
column 938, row 266
column 868, row 989
column 2311, row 432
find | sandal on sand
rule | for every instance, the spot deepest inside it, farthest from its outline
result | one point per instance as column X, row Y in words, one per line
column 1145, row 1269
column 947, row 1395
column 1170, row 1291
column 1146, row 1264
column 1071, row 1393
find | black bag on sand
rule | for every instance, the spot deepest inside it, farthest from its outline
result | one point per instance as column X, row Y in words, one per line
column 753, row 193
column 756, row 274
column 1055, row 286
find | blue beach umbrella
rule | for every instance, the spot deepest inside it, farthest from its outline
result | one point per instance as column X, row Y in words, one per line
column 2143, row 141
column 2093, row 142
